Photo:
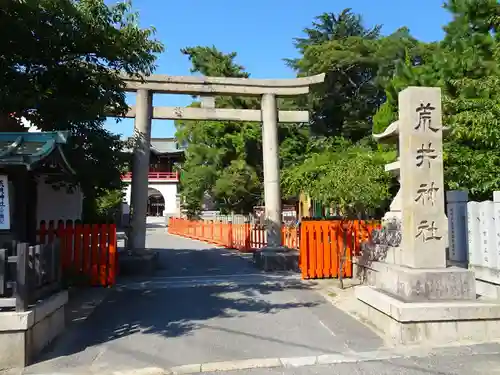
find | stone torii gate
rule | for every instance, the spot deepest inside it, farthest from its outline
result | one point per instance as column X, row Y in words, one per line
column 207, row 88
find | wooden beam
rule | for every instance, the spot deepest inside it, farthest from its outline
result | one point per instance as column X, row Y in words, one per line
column 221, row 114
column 221, row 85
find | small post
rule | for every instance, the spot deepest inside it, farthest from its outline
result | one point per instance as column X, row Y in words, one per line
column 496, row 221
column 247, row 234
column 53, row 261
column 22, row 278
column 57, row 248
column 36, row 252
column 475, row 254
column 230, row 232
column 3, row 270
column 456, row 209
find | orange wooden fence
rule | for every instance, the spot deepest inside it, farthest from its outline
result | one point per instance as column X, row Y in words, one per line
column 326, row 245
column 244, row 237
column 88, row 251
column 323, row 244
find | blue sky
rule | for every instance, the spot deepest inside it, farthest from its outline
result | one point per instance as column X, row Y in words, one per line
column 261, row 32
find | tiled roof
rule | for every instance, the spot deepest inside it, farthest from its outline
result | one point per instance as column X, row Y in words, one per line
column 31, row 148
column 165, row 146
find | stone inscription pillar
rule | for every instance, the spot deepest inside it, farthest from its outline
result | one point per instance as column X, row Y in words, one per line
column 424, row 224
column 270, row 154
column 142, row 144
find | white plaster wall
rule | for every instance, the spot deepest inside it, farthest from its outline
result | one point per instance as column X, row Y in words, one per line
column 167, row 189
column 58, row 204
column 127, row 189
column 169, row 192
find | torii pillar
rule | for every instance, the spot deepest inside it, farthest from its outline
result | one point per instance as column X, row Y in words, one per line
column 142, row 146
column 271, row 163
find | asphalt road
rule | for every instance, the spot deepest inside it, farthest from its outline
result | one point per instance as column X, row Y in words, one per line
column 209, row 308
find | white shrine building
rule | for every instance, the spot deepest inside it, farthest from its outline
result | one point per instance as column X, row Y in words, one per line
column 163, row 180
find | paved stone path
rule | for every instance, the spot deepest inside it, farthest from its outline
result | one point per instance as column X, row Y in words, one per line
column 209, row 309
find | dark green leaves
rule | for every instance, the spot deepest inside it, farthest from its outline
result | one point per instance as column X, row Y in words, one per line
column 59, row 66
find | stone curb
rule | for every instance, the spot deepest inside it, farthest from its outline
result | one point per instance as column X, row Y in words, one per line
column 144, row 371
column 247, row 364
column 255, row 363
column 324, row 359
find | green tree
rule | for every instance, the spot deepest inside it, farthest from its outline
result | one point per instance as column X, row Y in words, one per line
column 357, row 61
column 348, row 177
column 465, row 65
column 60, row 65
column 108, row 205
column 223, row 159
column 340, row 165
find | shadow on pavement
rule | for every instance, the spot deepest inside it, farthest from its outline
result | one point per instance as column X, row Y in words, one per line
column 203, row 262
column 180, row 309
column 175, row 312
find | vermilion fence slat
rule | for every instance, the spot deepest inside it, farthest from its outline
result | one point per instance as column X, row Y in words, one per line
column 325, row 249
column 86, row 261
column 88, row 253
column 303, row 258
column 313, row 254
column 103, row 255
column 94, row 255
column 112, row 254
column 68, row 253
column 77, row 249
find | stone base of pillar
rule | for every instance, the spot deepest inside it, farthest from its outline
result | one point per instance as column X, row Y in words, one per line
column 425, row 306
column 431, row 322
column 277, row 259
column 420, row 284
column 138, row 262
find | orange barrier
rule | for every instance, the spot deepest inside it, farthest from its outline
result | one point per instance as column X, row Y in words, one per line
column 244, row 237
column 326, row 245
column 88, row 251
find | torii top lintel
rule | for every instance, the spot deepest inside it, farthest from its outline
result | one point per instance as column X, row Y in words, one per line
column 221, row 85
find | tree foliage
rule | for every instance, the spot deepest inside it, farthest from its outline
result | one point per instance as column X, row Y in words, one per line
column 108, row 205
column 465, row 65
column 60, row 62
column 333, row 158
column 357, row 61
column 349, row 177
column 223, row 159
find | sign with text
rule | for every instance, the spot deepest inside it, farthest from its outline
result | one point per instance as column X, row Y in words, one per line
column 4, row 203
column 425, row 229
